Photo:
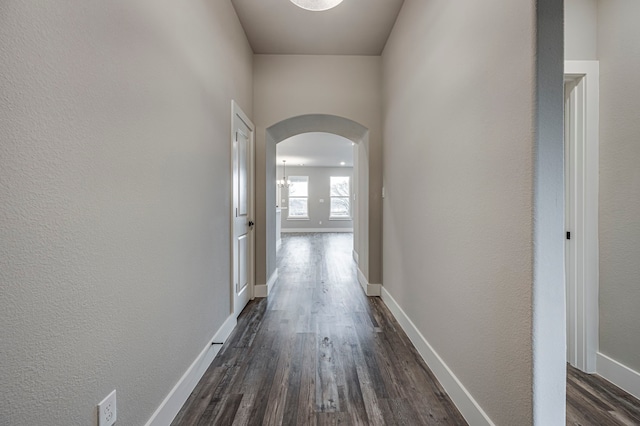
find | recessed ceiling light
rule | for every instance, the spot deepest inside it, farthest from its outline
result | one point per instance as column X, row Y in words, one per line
column 316, row 5
column 342, row 163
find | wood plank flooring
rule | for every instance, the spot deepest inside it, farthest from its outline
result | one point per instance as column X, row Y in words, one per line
column 591, row 400
column 318, row 352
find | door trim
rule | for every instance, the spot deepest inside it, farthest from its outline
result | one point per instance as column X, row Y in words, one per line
column 237, row 111
column 582, row 294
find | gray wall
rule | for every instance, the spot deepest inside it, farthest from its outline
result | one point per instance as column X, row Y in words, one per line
column 115, row 186
column 459, row 156
column 619, row 232
column 580, row 29
column 318, row 189
column 288, row 86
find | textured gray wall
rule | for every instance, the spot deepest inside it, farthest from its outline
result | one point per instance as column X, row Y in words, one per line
column 115, row 185
column 319, row 178
column 619, row 55
column 459, row 155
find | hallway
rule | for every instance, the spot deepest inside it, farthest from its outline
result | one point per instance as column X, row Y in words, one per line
column 318, row 351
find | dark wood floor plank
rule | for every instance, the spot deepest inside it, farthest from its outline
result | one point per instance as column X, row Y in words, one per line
column 403, row 412
column 277, row 395
column 327, row 400
column 227, row 413
column 290, row 415
column 337, row 419
column 307, row 395
column 352, row 391
column 243, row 414
column 371, row 401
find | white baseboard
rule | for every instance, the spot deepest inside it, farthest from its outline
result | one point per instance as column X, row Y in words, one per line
column 467, row 405
column 263, row 290
column 176, row 398
column 618, row 374
column 312, row 230
column 356, row 257
column 369, row 289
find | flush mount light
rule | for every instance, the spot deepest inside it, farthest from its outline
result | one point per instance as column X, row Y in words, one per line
column 316, row 5
column 342, row 163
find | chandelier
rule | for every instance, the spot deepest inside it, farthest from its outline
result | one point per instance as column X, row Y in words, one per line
column 284, row 182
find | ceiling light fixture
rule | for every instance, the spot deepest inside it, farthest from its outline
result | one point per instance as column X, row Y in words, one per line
column 316, row 5
column 342, row 163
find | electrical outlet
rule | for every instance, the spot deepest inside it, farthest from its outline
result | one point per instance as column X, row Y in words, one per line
column 107, row 414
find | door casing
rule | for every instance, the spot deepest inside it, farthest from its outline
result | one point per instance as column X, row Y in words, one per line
column 237, row 115
column 581, row 206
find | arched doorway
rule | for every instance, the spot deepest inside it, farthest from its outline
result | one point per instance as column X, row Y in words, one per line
column 340, row 126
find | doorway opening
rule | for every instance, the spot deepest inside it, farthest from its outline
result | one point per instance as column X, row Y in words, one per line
column 314, row 190
column 359, row 136
column 581, row 212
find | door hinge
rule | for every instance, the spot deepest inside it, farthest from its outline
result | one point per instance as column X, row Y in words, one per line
column 568, row 235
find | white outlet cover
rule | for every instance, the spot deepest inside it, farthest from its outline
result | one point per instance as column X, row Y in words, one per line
column 107, row 413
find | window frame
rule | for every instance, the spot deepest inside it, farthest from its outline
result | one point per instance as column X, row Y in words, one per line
column 347, row 197
column 296, row 197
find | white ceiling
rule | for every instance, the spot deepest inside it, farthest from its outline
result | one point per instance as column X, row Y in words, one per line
column 354, row 27
column 315, row 150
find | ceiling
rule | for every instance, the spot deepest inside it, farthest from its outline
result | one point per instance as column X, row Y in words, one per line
column 354, row 27
column 315, row 150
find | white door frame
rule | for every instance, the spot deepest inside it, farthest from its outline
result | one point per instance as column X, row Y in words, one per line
column 236, row 111
column 581, row 258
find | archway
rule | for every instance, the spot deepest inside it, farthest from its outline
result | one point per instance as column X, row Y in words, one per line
column 346, row 128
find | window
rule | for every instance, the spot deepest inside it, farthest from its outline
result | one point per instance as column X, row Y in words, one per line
column 298, row 197
column 340, row 198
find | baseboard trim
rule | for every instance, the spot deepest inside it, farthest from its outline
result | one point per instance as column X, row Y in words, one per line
column 467, row 405
column 176, row 398
column 618, row 374
column 313, row 230
column 263, row 290
column 356, row 257
column 369, row 289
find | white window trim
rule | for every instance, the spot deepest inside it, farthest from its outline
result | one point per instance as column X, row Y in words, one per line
column 289, row 197
column 348, row 197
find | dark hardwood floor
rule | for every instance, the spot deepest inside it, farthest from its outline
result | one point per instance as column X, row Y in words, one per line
column 318, row 352
column 591, row 400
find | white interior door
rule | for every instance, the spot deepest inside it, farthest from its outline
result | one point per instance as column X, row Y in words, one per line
column 243, row 210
